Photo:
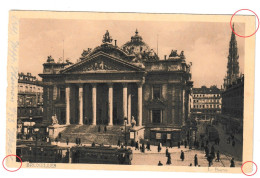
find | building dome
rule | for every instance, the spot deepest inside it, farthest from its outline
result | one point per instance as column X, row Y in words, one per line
column 139, row 49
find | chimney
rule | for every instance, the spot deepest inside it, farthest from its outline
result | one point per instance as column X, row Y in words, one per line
column 165, row 57
column 115, row 43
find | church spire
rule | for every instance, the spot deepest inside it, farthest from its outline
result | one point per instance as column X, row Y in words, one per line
column 233, row 64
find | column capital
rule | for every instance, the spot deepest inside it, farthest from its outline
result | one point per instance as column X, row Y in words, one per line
column 80, row 85
column 125, row 85
column 140, row 84
column 110, row 85
column 94, row 85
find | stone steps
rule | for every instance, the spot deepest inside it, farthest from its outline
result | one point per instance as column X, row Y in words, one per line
column 90, row 134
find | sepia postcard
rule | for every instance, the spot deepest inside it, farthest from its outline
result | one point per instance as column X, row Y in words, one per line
column 130, row 91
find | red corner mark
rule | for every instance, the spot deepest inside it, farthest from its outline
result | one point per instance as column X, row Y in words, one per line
column 15, row 169
column 249, row 162
column 235, row 14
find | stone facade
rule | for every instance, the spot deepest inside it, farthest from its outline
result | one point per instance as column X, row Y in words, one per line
column 110, row 85
column 207, row 103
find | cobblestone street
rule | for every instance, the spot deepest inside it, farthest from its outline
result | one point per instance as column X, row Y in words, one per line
column 153, row 157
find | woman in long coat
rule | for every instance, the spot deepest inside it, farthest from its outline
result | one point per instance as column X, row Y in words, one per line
column 182, row 155
column 169, row 160
column 195, row 160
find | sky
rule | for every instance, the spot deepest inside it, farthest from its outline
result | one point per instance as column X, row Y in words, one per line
column 205, row 44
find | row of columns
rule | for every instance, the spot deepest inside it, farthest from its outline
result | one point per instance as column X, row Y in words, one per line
column 126, row 104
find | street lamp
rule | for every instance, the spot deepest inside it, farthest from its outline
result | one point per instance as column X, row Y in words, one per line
column 125, row 120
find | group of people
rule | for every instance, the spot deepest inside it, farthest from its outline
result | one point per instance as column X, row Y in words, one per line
column 142, row 146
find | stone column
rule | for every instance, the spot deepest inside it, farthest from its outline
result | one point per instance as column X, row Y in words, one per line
column 110, row 104
column 183, row 107
column 124, row 101
column 81, row 104
column 55, row 92
column 140, row 104
column 67, row 105
column 94, row 104
column 129, row 114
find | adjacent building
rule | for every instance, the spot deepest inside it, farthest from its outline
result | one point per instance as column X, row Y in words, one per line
column 233, row 94
column 113, row 86
column 207, row 103
column 30, row 102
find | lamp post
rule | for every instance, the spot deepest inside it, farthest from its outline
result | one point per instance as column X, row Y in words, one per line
column 125, row 120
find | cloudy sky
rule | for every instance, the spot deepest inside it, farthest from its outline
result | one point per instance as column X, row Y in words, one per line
column 204, row 44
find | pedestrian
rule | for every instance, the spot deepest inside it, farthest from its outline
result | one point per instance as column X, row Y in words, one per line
column 233, row 143
column 185, row 143
column 206, row 151
column 159, row 147
column 67, row 141
column 218, row 156
column 143, row 148
column 182, row 155
column 179, row 144
column 232, row 163
column 160, row 164
column 195, row 160
column 136, row 145
column 169, row 159
column 209, row 158
column 93, row 144
column 148, row 146
column 167, row 152
column 202, row 144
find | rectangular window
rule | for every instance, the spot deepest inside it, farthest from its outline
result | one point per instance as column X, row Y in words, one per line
column 156, row 92
column 156, row 116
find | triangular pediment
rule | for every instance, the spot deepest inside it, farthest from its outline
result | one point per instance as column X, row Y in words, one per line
column 100, row 63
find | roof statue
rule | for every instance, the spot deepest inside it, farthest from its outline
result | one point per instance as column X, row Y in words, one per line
column 50, row 59
column 138, row 48
column 173, row 53
column 107, row 38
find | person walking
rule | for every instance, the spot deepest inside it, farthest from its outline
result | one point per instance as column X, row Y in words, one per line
column 136, row 145
column 167, row 152
column 185, row 143
column 169, row 159
column 232, row 163
column 159, row 147
column 182, row 155
column 206, row 151
column 148, row 146
column 195, row 160
column 171, row 144
column 67, row 141
column 218, row 156
column 209, row 158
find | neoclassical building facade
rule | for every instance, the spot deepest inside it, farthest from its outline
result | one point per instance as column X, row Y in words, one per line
column 111, row 85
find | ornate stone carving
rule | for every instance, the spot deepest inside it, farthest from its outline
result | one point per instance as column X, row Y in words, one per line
column 54, row 120
column 107, row 38
column 97, row 66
